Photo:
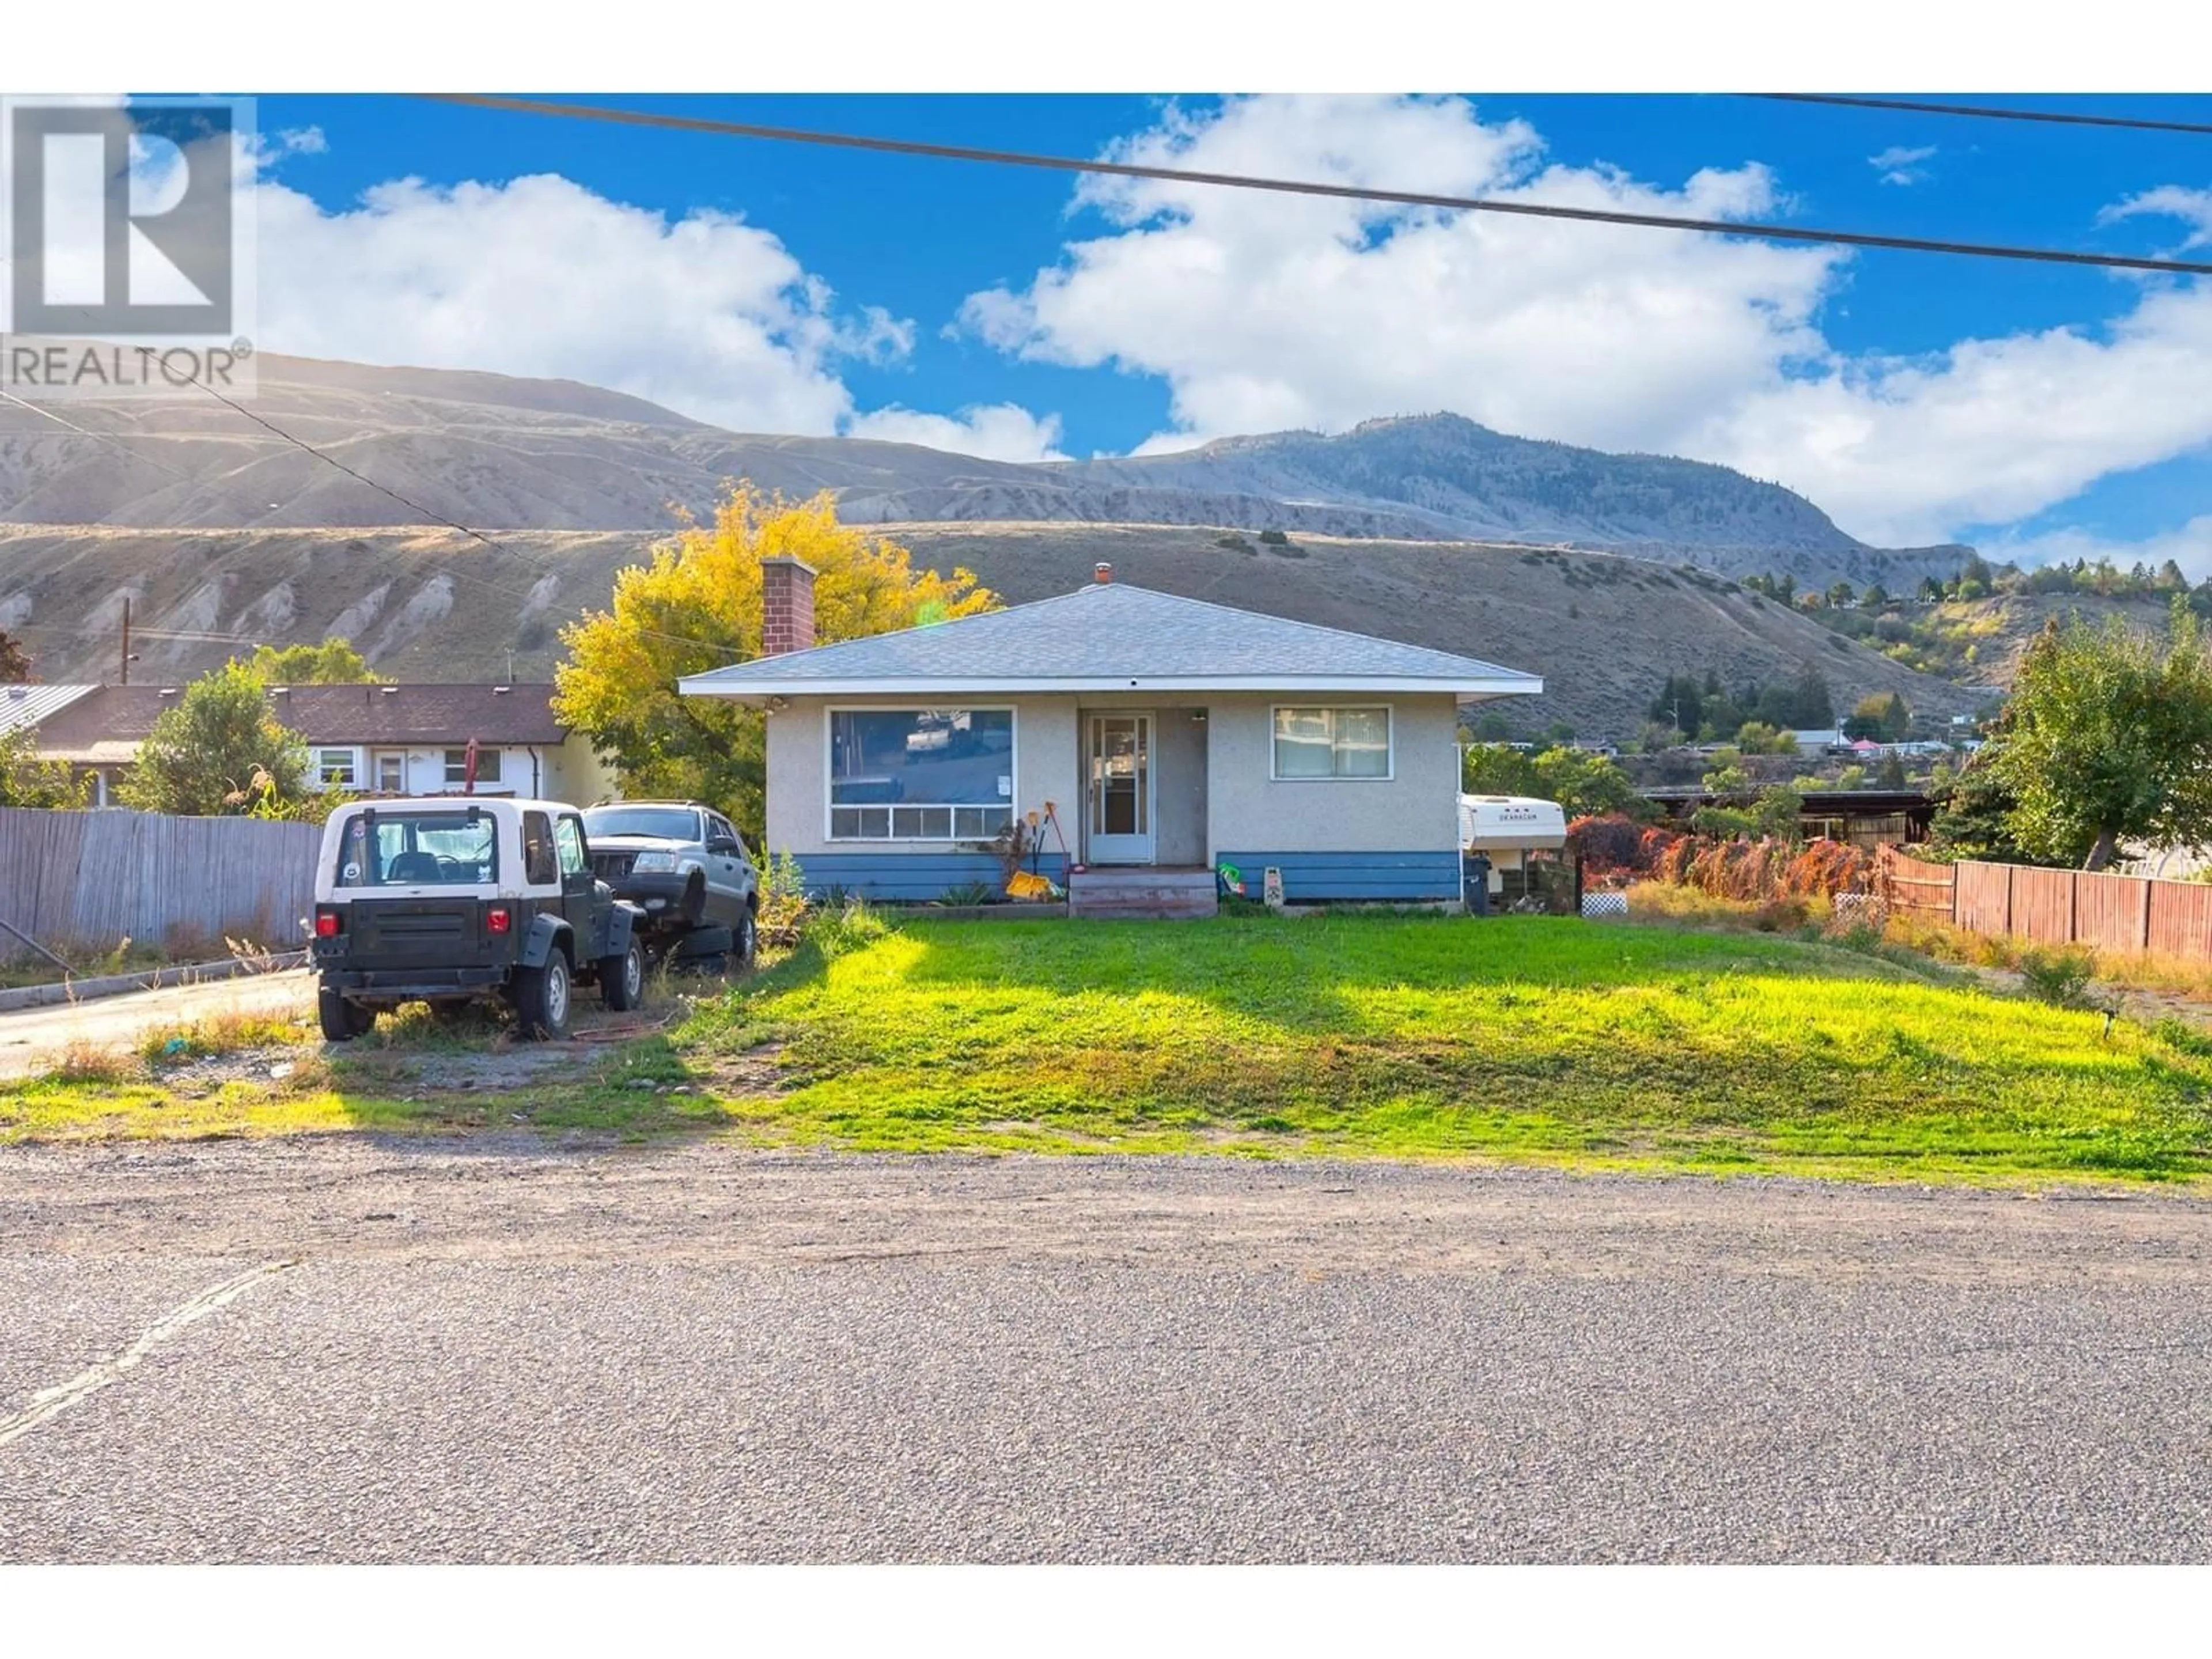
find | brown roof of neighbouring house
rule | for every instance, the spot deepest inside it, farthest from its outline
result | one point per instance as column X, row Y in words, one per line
column 91, row 727
column 420, row 714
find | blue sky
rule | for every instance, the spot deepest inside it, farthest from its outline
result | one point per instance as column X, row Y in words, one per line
column 780, row 287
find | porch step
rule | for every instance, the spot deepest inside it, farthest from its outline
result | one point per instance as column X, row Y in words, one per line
column 1141, row 892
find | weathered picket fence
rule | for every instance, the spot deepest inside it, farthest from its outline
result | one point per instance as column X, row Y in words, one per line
column 96, row 878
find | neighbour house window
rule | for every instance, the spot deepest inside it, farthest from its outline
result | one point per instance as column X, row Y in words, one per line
column 457, row 765
column 1332, row 742
column 337, row 766
column 921, row 773
column 392, row 774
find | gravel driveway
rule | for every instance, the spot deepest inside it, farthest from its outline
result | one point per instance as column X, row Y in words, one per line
column 33, row 1038
column 495, row 1350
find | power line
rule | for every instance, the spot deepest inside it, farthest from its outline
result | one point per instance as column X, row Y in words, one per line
column 195, row 636
column 321, row 455
column 115, row 438
column 1311, row 187
column 543, row 566
column 2059, row 117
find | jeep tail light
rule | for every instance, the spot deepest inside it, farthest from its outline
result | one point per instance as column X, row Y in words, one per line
column 498, row 919
column 329, row 923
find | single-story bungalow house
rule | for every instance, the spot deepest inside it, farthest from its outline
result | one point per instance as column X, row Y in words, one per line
column 1168, row 736
column 369, row 739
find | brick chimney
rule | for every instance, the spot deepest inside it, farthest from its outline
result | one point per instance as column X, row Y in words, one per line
column 1102, row 572
column 787, row 605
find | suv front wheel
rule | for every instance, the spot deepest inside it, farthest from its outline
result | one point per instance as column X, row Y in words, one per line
column 542, row 998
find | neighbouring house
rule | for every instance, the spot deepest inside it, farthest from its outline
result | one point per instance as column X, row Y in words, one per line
column 367, row 739
column 1168, row 736
column 1820, row 741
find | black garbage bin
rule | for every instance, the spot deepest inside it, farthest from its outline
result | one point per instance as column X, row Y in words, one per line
column 1474, row 883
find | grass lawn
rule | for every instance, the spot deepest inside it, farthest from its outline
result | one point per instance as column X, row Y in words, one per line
column 1527, row 1038
column 1530, row 1038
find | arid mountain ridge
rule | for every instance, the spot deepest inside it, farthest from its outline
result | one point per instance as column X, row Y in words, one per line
column 221, row 534
column 504, row 453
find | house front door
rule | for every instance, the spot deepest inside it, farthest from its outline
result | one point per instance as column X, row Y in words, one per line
column 1118, row 765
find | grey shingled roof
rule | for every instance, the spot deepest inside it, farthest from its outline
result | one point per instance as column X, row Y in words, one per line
column 1111, row 634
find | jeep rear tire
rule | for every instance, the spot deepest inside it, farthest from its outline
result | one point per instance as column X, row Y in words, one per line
column 341, row 1021
column 542, row 996
column 748, row 932
column 622, row 979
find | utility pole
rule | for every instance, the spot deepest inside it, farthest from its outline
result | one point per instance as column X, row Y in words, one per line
column 126, row 641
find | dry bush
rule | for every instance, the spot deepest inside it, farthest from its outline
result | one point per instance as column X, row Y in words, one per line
column 1612, row 844
column 82, row 1061
column 1755, row 870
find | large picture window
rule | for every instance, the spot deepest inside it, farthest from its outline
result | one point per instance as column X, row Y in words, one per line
column 921, row 773
column 1332, row 742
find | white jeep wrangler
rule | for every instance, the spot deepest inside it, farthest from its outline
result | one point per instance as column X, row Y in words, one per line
column 450, row 900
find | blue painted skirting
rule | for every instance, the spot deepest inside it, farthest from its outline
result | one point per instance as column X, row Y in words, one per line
column 892, row 877
column 1381, row 878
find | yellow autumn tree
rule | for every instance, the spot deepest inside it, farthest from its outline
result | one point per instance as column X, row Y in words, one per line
column 697, row 606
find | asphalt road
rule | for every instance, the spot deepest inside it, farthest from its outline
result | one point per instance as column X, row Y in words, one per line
column 31, row 1038
column 497, row 1351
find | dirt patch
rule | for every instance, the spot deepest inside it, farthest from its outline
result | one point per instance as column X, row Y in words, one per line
column 755, row 1072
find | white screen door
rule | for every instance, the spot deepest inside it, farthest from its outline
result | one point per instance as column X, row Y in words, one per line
column 1119, row 821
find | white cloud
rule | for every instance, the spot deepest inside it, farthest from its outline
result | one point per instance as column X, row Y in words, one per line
column 1262, row 313
column 1987, row 432
column 995, row 432
column 706, row 314
column 2193, row 207
column 1899, row 165
column 540, row 277
column 2189, row 547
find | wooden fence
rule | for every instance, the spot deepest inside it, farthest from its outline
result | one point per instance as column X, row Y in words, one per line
column 96, row 878
column 2053, row 907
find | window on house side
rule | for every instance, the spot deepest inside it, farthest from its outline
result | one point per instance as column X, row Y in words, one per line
column 1332, row 742
column 457, row 765
column 336, row 767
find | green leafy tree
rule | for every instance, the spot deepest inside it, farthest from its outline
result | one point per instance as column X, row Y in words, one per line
column 334, row 662
column 27, row 781
column 1681, row 703
column 209, row 755
column 1496, row 768
column 2108, row 737
column 697, row 606
column 1973, row 817
column 1757, row 738
column 1583, row 784
column 1879, row 717
column 1812, row 704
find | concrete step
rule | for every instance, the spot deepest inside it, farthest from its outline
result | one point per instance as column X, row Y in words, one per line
column 1143, row 912
column 1108, row 880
